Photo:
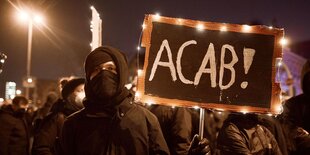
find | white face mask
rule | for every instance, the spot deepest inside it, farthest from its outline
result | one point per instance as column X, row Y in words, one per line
column 79, row 98
column 76, row 98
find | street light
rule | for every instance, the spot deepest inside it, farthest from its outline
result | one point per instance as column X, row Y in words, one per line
column 31, row 18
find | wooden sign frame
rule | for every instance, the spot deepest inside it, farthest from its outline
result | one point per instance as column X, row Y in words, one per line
column 275, row 102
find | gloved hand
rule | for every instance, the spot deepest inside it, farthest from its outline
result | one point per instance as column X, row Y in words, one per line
column 199, row 147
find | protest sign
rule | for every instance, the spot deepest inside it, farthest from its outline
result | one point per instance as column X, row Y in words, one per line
column 210, row 65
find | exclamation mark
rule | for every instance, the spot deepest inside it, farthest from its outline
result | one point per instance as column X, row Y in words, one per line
column 248, row 54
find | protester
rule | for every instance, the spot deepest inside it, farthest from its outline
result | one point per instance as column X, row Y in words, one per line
column 111, row 122
column 213, row 122
column 14, row 134
column 296, row 117
column 242, row 134
column 46, row 140
column 176, row 125
column 43, row 111
column 273, row 124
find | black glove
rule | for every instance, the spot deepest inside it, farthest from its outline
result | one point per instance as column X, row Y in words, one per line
column 199, row 147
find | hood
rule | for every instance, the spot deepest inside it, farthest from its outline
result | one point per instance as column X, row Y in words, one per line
column 7, row 109
column 117, row 56
column 101, row 55
column 70, row 86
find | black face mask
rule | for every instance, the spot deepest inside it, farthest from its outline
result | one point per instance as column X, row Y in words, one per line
column 104, row 85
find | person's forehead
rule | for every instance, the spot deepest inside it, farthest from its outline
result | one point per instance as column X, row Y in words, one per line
column 107, row 63
column 80, row 86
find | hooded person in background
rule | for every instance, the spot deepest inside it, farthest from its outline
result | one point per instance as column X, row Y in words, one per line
column 46, row 140
column 296, row 117
column 14, row 133
column 43, row 111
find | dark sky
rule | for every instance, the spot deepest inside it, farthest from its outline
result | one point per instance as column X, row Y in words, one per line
column 60, row 48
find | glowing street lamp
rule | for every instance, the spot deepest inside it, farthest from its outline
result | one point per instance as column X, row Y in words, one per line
column 31, row 18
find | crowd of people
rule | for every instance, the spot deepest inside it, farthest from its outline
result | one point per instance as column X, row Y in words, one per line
column 98, row 115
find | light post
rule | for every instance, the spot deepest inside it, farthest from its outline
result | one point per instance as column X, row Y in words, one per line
column 31, row 18
column 29, row 47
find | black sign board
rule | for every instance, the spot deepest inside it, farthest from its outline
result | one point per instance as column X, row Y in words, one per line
column 212, row 65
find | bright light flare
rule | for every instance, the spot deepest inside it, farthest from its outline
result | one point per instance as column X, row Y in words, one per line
column 157, row 16
column 281, row 97
column 150, row 102
column 38, row 19
column 138, row 94
column 25, row 16
column 22, row 16
column 200, row 27
column 29, row 80
column 283, row 41
column 143, row 26
column 18, row 92
column 246, row 28
column 223, row 28
column 196, row 107
column 180, row 21
column 140, row 71
column 279, row 109
column 219, row 109
column 244, row 111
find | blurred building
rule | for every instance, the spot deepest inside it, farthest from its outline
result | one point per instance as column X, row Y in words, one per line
column 294, row 59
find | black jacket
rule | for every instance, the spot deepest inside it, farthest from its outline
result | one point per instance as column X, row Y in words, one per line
column 131, row 130
column 242, row 134
column 14, row 134
column 176, row 125
column 46, row 140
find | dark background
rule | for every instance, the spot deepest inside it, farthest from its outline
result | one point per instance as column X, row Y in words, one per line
column 60, row 48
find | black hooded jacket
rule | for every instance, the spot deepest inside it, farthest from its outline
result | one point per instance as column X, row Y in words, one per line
column 117, row 126
column 14, row 134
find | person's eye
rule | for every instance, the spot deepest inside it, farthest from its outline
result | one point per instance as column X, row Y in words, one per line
column 110, row 68
column 97, row 69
